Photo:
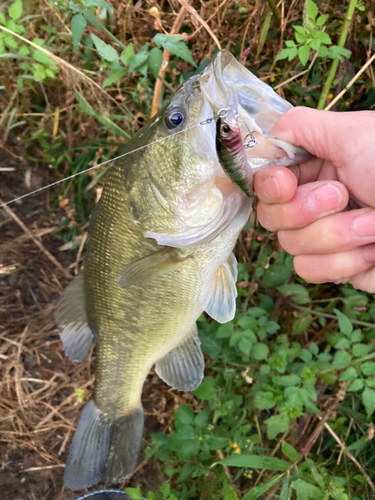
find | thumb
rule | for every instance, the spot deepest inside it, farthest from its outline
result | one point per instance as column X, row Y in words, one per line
column 325, row 134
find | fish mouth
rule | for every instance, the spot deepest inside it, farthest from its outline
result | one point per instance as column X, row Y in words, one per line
column 227, row 84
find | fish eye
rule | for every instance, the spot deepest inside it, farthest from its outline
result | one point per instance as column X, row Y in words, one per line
column 225, row 130
column 175, row 117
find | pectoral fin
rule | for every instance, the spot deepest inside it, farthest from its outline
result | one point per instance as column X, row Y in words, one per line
column 71, row 318
column 183, row 367
column 144, row 269
column 222, row 293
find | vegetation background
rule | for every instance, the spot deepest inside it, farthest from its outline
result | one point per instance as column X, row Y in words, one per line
column 286, row 408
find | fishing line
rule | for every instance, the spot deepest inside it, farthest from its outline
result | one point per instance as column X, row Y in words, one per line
column 221, row 114
column 102, row 164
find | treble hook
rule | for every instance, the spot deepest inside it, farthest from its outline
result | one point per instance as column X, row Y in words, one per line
column 222, row 113
column 251, row 142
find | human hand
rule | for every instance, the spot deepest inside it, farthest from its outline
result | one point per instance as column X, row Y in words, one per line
column 305, row 204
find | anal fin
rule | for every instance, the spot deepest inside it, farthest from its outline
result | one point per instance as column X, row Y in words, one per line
column 183, row 367
column 221, row 303
column 144, row 269
column 71, row 318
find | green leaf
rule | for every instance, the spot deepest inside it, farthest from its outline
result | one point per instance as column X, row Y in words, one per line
column 360, row 350
column 301, row 324
column 304, row 54
column 289, row 380
column 349, row 374
column 160, row 39
column 78, row 27
column 105, row 51
column 10, row 41
column 245, row 345
column 368, row 368
column 311, row 10
column 276, row 424
column 225, row 331
column 256, row 312
column 38, row 72
column 41, row 57
column 299, row 29
column 345, row 324
column 127, row 54
column 15, row 10
column 134, row 493
column 256, row 462
column 255, row 493
column 139, row 59
column 371, row 382
column 23, row 50
column 356, row 385
column 206, row 390
column 264, row 400
column 285, row 492
column 3, row 20
column 307, row 491
column 248, row 322
column 155, row 60
column 298, row 293
column 91, row 18
column 290, row 43
column 321, row 20
column 368, row 398
column 181, row 50
column 341, row 360
column 343, row 343
column 184, row 416
column 290, row 452
column 315, row 44
column 99, row 3
column 325, row 38
column 259, row 351
column 114, row 76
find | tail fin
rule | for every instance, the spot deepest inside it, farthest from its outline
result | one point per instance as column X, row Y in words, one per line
column 103, row 448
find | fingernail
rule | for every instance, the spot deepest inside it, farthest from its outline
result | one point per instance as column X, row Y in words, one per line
column 271, row 188
column 324, row 199
column 369, row 253
column 364, row 225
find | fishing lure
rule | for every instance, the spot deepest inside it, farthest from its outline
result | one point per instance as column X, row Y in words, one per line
column 231, row 150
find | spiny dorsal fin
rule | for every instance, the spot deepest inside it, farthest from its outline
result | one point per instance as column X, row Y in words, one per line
column 183, row 367
column 223, row 292
column 71, row 318
column 144, row 269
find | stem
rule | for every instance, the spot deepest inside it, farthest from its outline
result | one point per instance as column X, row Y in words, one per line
column 272, row 5
column 331, row 316
column 335, row 62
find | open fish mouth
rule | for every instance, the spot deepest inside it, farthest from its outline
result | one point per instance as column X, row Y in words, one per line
column 258, row 108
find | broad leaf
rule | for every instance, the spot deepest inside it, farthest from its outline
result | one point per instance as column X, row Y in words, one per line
column 368, row 398
column 105, row 51
column 155, row 60
column 114, row 76
column 78, row 27
column 15, row 10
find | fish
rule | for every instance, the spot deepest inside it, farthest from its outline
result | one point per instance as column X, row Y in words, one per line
column 159, row 253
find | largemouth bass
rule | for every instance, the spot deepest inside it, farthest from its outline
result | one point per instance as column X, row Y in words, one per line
column 159, row 254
